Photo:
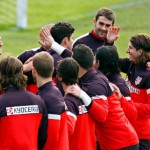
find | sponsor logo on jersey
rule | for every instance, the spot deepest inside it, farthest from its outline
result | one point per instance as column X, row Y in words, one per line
column 18, row 110
column 131, row 88
column 138, row 80
column 82, row 109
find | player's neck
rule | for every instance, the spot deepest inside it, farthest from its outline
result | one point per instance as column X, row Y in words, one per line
column 41, row 81
column 96, row 35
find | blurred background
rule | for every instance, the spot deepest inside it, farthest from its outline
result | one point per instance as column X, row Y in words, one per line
column 131, row 15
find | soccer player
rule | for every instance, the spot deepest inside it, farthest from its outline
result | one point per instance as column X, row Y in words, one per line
column 62, row 33
column 80, row 125
column 107, row 114
column 100, row 35
column 96, row 85
column 43, row 66
column 111, row 69
column 23, row 115
column 138, row 81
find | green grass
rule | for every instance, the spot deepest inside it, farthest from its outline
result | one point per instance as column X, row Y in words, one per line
column 132, row 17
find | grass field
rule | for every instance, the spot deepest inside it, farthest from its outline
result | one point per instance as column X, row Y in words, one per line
column 132, row 17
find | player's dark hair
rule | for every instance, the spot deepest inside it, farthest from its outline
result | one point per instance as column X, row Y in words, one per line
column 84, row 56
column 68, row 70
column 141, row 41
column 61, row 30
column 11, row 73
column 108, row 59
column 106, row 12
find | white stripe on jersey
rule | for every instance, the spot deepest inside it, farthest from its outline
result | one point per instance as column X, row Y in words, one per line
column 99, row 97
column 80, row 37
column 54, row 116
column 128, row 98
column 33, row 49
column 148, row 91
column 71, row 114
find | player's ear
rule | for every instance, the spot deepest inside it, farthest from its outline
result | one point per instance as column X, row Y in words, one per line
column 140, row 52
column 34, row 72
column 65, row 41
column 94, row 20
column 97, row 63
column 52, row 70
column 59, row 77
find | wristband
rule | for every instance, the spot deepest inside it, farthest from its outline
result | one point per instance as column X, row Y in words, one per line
column 57, row 48
column 85, row 98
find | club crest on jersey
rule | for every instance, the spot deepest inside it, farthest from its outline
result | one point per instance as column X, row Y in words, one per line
column 82, row 109
column 138, row 80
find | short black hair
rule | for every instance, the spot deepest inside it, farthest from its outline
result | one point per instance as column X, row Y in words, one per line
column 84, row 56
column 61, row 30
column 68, row 70
column 108, row 59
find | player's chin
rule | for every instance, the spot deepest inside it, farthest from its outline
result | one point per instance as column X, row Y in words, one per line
column 131, row 59
column 102, row 35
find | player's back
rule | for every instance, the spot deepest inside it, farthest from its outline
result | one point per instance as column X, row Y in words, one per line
column 21, row 113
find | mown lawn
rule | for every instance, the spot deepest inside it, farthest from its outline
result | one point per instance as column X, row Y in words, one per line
column 132, row 17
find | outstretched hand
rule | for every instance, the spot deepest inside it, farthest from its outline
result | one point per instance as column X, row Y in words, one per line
column 113, row 34
column 46, row 38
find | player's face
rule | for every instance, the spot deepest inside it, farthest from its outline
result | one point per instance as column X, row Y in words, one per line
column 102, row 25
column 133, row 53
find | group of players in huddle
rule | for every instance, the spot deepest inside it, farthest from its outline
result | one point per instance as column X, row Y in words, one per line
column 70, row 95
